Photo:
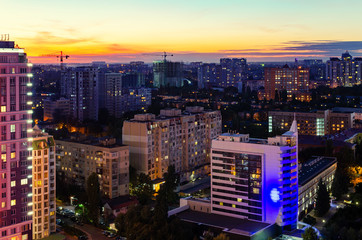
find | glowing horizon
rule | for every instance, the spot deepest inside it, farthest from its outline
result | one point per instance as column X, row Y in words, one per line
column 123, row 31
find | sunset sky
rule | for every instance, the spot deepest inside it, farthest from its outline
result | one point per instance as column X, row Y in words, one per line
column 193, row 30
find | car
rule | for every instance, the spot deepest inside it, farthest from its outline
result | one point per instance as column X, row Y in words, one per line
column 106, row 233
column 83, row 237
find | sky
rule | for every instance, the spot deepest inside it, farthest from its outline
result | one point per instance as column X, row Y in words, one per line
column 192, row 30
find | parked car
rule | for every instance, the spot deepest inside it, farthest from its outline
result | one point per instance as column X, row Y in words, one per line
column 83, row 237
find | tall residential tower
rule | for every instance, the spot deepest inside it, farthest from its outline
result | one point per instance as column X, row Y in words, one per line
column 15, row 171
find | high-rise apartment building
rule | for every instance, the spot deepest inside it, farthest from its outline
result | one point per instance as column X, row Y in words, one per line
column 80, row 86
column 124, row 93
column 318, row 123
column 15, row 172
column 167, row 74
column 78, row 158
column 256, row 179
column 233, row 71
column 292, row 80
column 208, row 75
column 173, row 138
column 44, row 202
column 344, row 72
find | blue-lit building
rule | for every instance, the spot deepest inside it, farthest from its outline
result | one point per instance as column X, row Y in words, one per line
column 256, row 179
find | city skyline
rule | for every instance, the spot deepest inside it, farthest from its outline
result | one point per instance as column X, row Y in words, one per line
column 193, row 31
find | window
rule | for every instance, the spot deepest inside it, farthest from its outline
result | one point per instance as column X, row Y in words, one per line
column 24, row 181
column 12, row 128
column 13, row 202
column 3, row 108
column 13, row 183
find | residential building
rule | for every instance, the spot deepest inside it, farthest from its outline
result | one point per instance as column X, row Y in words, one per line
column 291, row 80
column 124, row 93
column 233, row 71
column 309, row 175
column 79, row 157
column 256, row 179
column 208, row 75
column 15, row 172
column 44, row 184
column 60, row 107
column 173, row 138
column 344, row 72
column 80, row 86
column 167, row 74
column 317, row 123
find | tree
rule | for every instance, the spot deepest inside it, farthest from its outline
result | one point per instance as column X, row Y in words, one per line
column 322, row 199
column 338, row 186
column 142, row 188
column 310, row 234
column 94, row 200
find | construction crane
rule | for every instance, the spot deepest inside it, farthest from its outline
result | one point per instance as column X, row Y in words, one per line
column 164, row 55
column 61, row 57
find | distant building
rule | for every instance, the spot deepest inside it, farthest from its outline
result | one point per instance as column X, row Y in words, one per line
column 291, row 80
column 318, row 123
column 15, row 125
column 119, row 205
column 44, row 184
column 344, row 72
column 51, row 107
column 78, row 158
column 173, row 138
column 309, row 174
column 208, row 75
column 233, row 71
column 80, row 86
column 167, row 74
column 256, row 179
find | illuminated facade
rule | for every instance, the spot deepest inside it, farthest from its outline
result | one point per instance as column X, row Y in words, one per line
column 78, row 158
column 233, row 71
column 318, row 123
column 44, row 202
column 345, row 72
column 173, row 138
column 15, row 172
column 256, row 179
column 292, row 80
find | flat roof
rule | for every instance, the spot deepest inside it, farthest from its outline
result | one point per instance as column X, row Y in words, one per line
column 313, row 167
column 228, row 224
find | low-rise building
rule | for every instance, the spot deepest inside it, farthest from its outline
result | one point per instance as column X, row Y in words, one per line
column 317, row 123
column 78, row 158
column 53, row 107
column 309, row 175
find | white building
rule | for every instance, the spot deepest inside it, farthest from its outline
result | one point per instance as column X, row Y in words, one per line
column 256, row 179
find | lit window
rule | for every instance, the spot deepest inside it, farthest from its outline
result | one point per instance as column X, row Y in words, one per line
column 3, row 204
column 240, row 200
column 13, row 183
column 13, row 202
column 3, row 108
column 3, row 157
column 24, row 181
column 13, row 155
column 221, row 204
column 12, row 128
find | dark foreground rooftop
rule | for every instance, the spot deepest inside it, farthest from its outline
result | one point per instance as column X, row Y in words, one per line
column 228, row 224
column 313, row 167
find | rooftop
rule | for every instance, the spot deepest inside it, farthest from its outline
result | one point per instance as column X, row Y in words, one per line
column 313, row 167
column 228, row 224
column 105, row 142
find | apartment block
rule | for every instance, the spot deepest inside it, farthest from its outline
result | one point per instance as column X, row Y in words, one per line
column 317, row 123
column 172, row 138
column 292, row 80
column 256, row 179
column 15, row 172
column 44, row 184
column 79, row 157
column 51, row 107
